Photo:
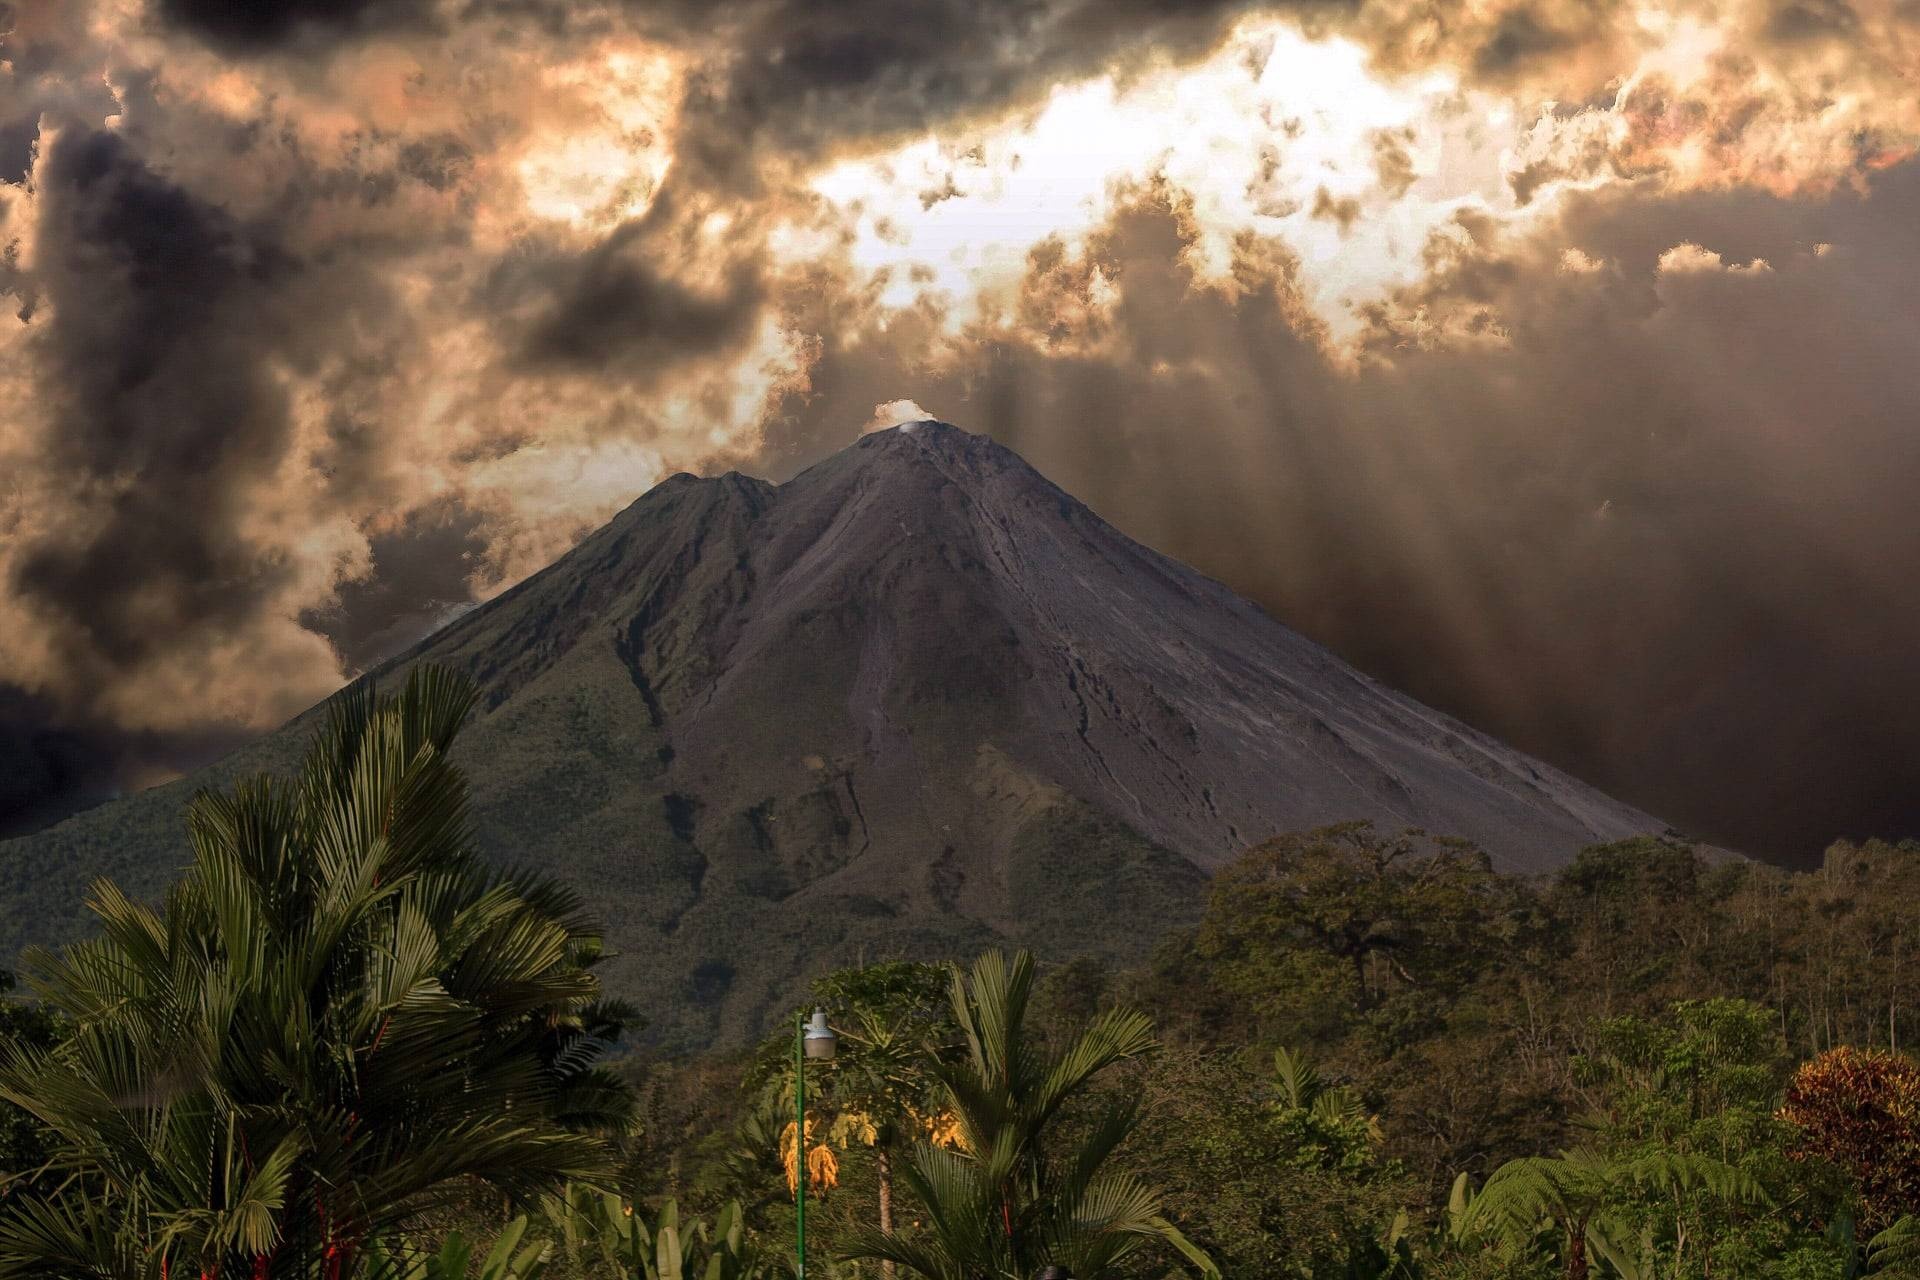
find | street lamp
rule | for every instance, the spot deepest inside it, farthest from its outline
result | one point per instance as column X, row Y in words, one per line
column 817, row 1041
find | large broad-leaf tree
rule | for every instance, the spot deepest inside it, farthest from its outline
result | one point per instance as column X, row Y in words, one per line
column 1315, row 936
column 339, row 1018
column 1859, row 1109
column 879, row 1094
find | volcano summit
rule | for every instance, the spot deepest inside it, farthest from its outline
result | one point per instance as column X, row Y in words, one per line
column 915, row 699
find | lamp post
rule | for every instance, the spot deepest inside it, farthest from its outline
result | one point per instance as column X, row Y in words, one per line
column 815, row 1040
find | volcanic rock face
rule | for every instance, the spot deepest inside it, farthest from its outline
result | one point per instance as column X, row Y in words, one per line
column 916, row 699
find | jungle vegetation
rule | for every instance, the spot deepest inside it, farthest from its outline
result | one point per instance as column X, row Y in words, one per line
column 345, row 1048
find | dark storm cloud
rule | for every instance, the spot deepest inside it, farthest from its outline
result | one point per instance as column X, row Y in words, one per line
column 41, row 762
column 53, row 765
column 151, row 555
column 1654, row 533
column 251, row 26
column 1812, row 20
column 612, row 309
column 622, row 318
column 16, row 148
column 442, row 162
column 794, row 76
column 795, row 79
column 39, row 58
column 1520, row 39
column 153, row 361
column 419, row 574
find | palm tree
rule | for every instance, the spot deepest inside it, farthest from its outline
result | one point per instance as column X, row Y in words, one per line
column 1338, row 1115
column 1010, row 1201
column 1580, row 1197
column 338, row 1019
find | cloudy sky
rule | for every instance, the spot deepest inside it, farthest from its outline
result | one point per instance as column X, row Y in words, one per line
column 1557, row 360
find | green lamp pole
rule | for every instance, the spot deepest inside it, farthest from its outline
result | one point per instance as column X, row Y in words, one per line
column 815, row 1040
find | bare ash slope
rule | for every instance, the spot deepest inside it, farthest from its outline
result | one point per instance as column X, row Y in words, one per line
column 917, row 698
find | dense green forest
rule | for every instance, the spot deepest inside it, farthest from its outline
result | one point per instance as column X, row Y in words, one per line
column 345, row 1048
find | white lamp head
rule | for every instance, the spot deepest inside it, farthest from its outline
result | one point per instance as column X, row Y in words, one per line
column 819, row 1038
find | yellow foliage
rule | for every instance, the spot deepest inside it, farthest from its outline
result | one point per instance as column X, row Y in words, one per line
column 823, row 1167
column 943, row 1130
column 854, row 1127
column 790, row 1154
column 848, row 1129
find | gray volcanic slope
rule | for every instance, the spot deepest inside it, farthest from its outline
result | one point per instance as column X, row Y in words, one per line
column 916, row 699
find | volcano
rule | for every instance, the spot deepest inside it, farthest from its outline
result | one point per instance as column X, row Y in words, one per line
column 915, row 700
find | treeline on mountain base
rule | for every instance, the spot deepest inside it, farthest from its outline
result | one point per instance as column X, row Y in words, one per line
column 343, row 1047
column 1660, row 1017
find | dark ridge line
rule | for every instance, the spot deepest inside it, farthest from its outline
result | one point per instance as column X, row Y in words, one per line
column 866, row 834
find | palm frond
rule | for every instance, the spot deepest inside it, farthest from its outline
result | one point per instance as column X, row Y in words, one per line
column 1895, row 1251
column 336, row 1020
